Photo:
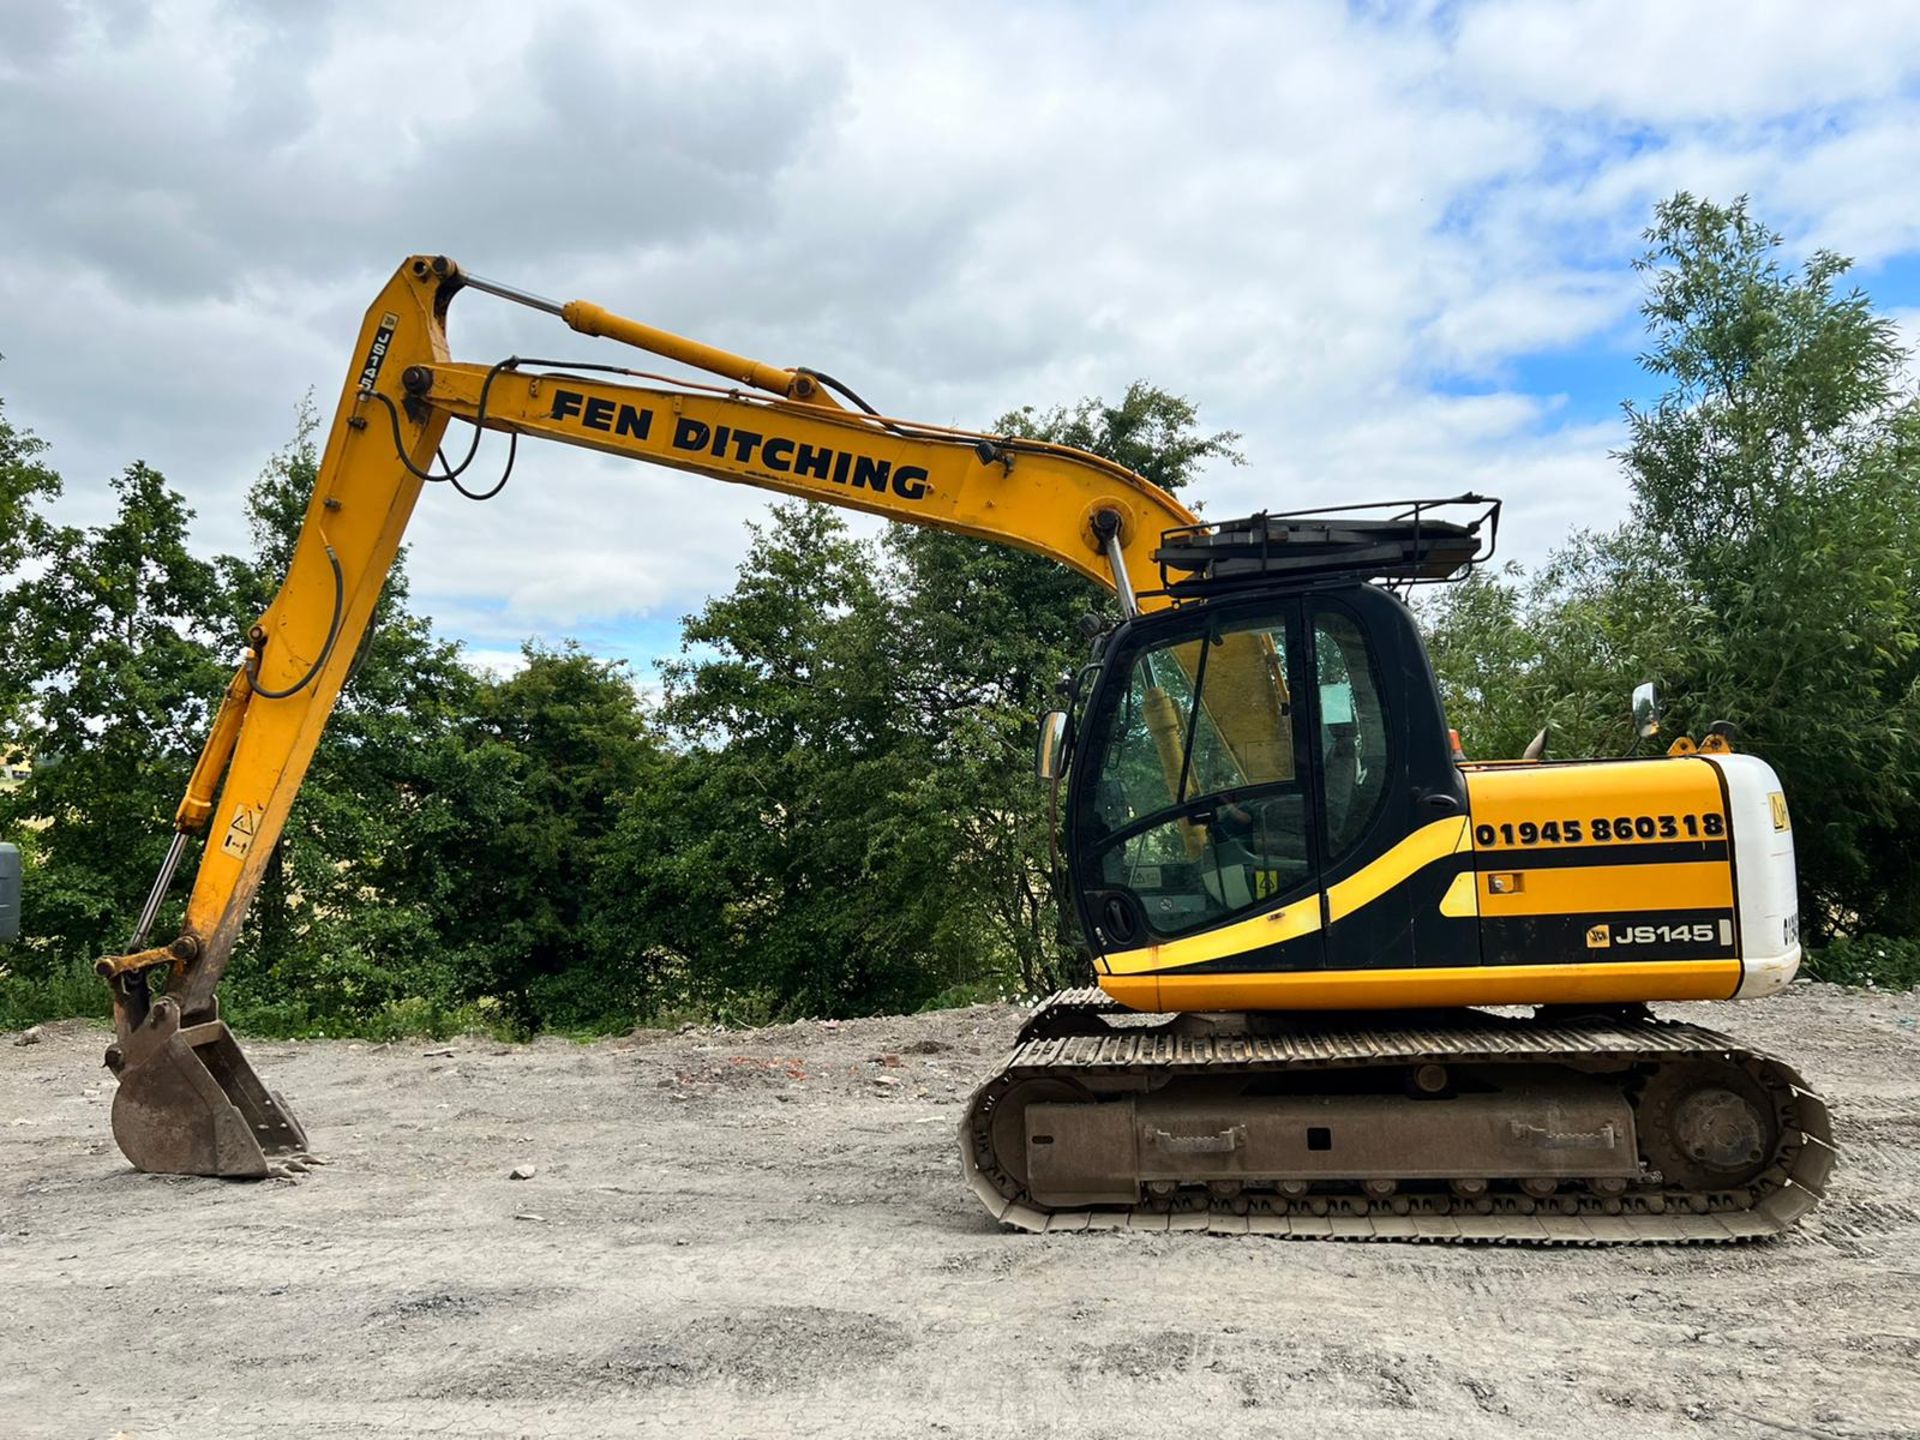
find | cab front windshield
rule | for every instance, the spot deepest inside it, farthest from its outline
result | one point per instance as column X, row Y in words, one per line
column 1197, row 809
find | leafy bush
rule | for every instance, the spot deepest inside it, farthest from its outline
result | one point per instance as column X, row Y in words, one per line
column 1885, row 962
column 60, row 995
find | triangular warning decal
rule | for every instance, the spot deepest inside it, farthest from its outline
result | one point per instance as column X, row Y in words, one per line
column 240, row 832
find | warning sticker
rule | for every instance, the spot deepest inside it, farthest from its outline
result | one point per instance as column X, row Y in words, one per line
column 240, row 832
column 1599, row 937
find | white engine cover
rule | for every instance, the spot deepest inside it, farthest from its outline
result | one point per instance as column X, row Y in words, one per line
column 1765, row 896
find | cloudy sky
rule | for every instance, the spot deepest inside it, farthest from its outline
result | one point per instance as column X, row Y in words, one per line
column 1387, row 243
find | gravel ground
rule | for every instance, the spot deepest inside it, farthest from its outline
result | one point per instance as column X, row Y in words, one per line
column 765, row 1233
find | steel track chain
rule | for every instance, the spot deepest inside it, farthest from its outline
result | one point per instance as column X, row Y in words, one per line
column 1068, row 1038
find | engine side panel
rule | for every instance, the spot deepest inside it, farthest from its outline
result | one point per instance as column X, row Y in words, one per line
column 1590, row 882
column 1602, row 862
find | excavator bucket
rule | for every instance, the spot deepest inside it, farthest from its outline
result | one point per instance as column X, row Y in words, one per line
column 190, row 1104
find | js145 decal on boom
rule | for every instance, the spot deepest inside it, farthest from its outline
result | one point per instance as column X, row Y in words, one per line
column 1293, row 894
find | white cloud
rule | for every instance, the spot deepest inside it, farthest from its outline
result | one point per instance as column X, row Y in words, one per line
column 1316, row 221
column 1663, row 62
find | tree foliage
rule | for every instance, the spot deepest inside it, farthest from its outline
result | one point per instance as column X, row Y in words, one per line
column 986, row 634
column 110, row 635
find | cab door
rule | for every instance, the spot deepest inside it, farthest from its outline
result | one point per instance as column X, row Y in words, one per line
column 1192, row 836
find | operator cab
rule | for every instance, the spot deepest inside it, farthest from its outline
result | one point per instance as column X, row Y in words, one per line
column 1269, row 736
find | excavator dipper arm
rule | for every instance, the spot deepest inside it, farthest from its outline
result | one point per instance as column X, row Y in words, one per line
column 188, row 1102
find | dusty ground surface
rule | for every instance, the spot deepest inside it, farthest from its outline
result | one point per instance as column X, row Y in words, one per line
column 765, row 1233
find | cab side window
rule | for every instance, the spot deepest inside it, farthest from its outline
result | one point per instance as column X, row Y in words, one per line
column 1352, row 743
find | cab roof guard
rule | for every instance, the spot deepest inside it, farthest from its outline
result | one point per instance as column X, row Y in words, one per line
column 1409, row 545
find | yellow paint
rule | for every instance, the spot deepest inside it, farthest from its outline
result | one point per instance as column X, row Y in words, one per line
column 1460, row 902
column 1419, row 850
column 1463, row 985
column 1300, row 918
column 591, row 319
column 196, row 806
column 1585, row 889
column 1510, row 795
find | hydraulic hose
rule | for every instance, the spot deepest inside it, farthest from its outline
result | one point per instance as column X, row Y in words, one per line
column 326, row 650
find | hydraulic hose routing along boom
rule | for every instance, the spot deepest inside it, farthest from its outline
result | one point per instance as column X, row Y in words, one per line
column 188, row 1101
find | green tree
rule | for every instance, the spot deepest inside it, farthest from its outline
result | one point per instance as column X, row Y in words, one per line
column 27, row 485
column 1769, row 576
column 113, row 636
column 1560, row 649
column 509, row 819
column 792, row 858
column 1781, row 472
column 986, row 634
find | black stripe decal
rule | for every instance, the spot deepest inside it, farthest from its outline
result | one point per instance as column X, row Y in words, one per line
column 1607, row 936
column 1560, row 857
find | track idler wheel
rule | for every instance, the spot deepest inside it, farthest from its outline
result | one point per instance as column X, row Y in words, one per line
column 190, row 1104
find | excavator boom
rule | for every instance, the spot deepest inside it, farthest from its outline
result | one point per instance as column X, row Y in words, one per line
column 187, row 1100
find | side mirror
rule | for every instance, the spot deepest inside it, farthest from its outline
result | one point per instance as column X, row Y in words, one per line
column 1646, row 711
column 9, row 893
column 1049, row 760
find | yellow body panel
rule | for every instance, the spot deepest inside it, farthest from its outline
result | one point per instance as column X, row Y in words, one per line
column 1554, row 843
column 1588, row 888
column 1399, row 989
column 1583, row 793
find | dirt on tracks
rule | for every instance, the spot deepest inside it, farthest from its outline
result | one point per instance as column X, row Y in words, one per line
column 765, row 1233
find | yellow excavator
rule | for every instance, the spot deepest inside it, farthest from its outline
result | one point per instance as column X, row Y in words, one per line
column 1297, row 896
